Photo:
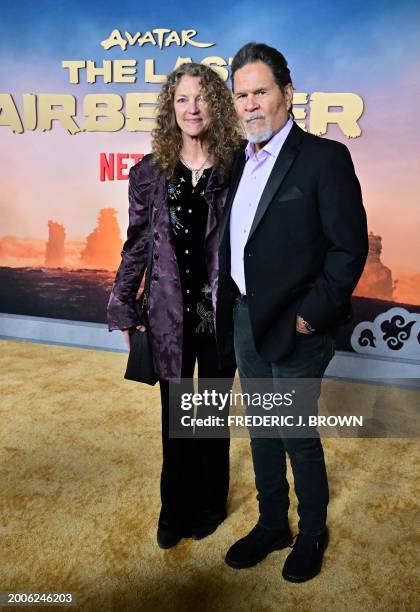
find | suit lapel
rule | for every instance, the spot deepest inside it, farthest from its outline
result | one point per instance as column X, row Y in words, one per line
column 284, row 160
column 215, row 184
column 237, row 170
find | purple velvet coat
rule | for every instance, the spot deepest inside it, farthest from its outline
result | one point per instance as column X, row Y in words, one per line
column 148, row 186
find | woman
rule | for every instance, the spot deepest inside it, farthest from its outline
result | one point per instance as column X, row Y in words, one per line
column 185, row 182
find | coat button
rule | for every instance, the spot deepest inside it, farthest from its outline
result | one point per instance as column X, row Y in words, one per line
column 156, row 256
column 155, row 277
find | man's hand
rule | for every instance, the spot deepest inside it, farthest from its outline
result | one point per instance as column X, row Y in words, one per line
column 301, row 327
column 126, row 333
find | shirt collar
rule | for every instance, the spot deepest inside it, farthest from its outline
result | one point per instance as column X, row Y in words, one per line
column 275, row 143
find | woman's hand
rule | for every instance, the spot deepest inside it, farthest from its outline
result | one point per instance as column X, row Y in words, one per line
column 126, row 333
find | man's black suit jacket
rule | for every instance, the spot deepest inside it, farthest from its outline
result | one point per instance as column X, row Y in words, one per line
column 306, row 249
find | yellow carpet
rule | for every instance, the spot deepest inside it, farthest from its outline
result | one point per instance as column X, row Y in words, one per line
column 80, row 464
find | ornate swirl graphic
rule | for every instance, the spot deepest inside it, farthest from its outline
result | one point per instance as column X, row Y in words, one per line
column 367, row 338
column 395, row 332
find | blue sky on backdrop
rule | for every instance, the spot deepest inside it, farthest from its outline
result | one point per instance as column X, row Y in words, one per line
column 332, row 39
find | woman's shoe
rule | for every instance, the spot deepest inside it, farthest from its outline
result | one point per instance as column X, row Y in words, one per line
column 206, row 524
column 167, row 538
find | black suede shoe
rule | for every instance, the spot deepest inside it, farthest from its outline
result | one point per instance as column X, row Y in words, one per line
column 254, row 547
column 206, row 524
column 305, row 560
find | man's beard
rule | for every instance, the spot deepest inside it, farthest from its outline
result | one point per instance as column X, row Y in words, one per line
column 262, row 135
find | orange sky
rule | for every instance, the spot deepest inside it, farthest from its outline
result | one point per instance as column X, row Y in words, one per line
column 55, row 176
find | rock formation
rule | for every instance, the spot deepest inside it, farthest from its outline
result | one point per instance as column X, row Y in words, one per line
column 103, row 245
column 54, row 253
column 376, row 281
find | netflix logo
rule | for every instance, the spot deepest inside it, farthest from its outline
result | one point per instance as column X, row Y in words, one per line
column 116, row 166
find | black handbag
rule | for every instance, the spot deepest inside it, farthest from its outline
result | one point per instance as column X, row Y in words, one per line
column 140, row 365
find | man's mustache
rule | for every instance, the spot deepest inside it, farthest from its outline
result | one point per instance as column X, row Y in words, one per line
column 253, row 117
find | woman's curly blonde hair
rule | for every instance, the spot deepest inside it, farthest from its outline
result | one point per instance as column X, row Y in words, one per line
column 223, row 136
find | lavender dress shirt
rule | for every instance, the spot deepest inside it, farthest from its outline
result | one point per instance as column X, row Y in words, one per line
column 257, row 169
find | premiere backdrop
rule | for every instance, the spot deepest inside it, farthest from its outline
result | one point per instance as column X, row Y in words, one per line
column 78, row 83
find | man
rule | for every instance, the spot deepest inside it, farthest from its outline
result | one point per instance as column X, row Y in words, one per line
column 293, row 243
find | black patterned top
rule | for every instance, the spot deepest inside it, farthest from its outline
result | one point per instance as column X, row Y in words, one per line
column 188, row 210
